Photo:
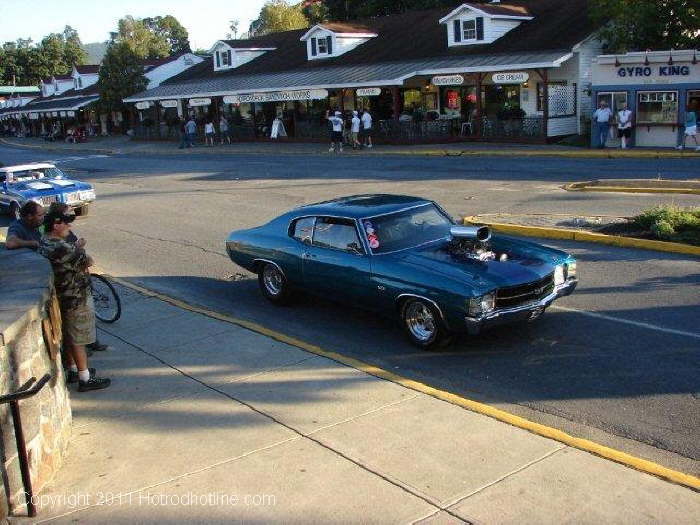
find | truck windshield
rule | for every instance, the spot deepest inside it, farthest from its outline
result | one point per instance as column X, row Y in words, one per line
column 406, row 229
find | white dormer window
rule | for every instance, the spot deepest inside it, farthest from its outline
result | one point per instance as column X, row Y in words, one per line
column 333, row 39
column 223, row 59
column 469, row 29
column 230, row 54
column 482, row 23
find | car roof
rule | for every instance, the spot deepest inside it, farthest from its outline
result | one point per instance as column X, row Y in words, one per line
column 26, row 167
column 360, row 206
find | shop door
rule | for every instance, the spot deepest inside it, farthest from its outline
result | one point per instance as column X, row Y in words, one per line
column 694, row 101
column 615, row 100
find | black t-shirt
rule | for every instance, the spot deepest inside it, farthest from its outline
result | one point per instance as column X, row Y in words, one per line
column 20, row 230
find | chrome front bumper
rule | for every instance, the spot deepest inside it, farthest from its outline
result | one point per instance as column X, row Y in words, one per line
column 525, row 312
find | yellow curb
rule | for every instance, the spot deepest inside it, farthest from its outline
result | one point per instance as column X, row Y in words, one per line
column 624, row 189
column 583, row 236
column 623, row 458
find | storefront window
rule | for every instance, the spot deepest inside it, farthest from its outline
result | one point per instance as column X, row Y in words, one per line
column 412, row 99
column 657, row 107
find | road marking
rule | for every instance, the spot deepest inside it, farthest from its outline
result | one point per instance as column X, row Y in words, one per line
column 639, row 324
column 643, row 465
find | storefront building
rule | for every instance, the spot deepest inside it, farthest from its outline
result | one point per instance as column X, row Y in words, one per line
column 660, row 87
column 481, row 71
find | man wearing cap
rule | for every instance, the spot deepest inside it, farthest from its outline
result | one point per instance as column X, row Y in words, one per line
column 70, row 265
column 601, row 119
column 337, row 132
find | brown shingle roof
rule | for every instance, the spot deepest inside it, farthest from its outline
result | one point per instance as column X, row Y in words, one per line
column 246, row 43
column 346, row 27
column 557, row 25
column 88, row 69
column 502, row 9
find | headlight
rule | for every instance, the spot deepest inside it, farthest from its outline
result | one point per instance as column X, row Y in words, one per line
column 571, row 270
column 481, row 305
column 559, row 275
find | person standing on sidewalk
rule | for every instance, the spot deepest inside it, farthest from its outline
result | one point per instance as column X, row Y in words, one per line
column 224, row 130
column 209, row 133
column 624, row 125
column 355, row 131
column 191, row 131
column 337, row 131
column 691, row 128
column 601, row 119
column 72, row 281
column 367, row 128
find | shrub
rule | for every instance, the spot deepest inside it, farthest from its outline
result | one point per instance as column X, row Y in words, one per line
column 671, row 223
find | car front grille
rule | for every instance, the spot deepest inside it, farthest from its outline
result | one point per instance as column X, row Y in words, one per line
column 524, row 293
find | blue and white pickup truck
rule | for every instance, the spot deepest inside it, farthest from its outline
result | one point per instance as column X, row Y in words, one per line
column 43, row 183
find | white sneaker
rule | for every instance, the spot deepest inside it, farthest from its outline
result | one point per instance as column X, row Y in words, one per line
column 369, row 145
column 341, row 149
column 679, row 147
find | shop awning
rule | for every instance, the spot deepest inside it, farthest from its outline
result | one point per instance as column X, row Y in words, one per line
column 359, row 75
column 65, row 104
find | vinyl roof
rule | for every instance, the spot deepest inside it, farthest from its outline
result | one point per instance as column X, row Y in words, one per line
column 360, row 206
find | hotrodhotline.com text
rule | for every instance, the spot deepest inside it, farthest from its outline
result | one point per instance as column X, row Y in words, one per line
column 188, row 499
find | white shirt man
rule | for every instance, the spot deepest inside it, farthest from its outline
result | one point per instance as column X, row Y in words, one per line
column 601, row 118
column 337, row 133
column 367, row 128
column 355, row 130
column 624, row 125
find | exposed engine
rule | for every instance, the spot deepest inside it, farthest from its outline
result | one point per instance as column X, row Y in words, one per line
column 472, row 242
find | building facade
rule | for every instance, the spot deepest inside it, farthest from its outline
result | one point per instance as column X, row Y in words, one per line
column 660, row 87
column 509, row 71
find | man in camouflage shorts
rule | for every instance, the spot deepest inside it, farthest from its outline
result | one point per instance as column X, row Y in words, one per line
column 72, row 281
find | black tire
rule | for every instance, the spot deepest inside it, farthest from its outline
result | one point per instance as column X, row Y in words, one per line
column 14, row 211
column 423, row 325
column 108, row 306
column 273, row 284
column 82, row 211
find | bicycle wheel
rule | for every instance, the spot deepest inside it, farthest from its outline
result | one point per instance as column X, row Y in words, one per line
column 108, row 306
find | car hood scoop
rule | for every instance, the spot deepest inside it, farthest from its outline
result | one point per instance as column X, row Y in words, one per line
column 489, row 273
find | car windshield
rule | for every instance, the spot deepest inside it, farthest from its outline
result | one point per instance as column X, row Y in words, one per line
column 54, row 173
column 406, row 229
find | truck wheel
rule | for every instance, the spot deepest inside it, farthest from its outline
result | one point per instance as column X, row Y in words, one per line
column 82, row 211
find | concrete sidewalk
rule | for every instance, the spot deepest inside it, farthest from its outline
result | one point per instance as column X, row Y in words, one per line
column 123, row 145
column 206, row 421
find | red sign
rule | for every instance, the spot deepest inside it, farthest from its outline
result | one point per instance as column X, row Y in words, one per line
column 453, row 99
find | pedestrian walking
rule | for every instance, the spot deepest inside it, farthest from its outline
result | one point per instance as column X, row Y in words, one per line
column 624, row 125
column 601, row 119
column 337, row 131
column 691, row 128
column 224, row 130
column 367, row 128
column 355, row 131
column 190, row 131
column 209, row 133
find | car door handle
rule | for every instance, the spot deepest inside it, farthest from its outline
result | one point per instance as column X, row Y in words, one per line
column 307, row 255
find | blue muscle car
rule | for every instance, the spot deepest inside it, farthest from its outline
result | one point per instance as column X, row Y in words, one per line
column 43, row 183
column 404, row 255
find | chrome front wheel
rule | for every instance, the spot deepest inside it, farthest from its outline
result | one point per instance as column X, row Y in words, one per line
column 423, row 324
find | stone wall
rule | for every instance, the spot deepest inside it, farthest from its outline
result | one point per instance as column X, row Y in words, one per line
column 28, row 349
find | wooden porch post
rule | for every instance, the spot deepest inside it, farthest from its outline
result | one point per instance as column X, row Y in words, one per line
column 396, row 102
column 545, row 101
column 479, row 109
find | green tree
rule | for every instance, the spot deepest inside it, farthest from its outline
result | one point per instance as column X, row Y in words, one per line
column 73, row 52
column 278, row 15
column 143, row 42
column 121, row 75
column 169, row 28
column 316, row 12
column 636, row 25
column 353, row 9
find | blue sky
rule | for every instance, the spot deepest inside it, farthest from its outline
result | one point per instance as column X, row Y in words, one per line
column 206, row 20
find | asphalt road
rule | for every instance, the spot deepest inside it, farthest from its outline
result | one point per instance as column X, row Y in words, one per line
column 618, row 363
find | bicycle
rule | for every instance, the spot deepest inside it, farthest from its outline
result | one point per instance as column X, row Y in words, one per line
column 108, row 306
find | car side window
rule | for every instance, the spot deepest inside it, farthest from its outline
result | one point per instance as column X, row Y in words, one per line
column 303, row 229
column 337, row 234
